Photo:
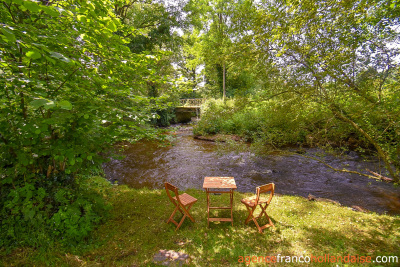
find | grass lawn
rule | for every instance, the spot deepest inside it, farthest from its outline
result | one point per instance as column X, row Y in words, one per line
column 136, row 231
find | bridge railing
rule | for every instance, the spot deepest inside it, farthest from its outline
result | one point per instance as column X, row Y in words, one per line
column 191, row 102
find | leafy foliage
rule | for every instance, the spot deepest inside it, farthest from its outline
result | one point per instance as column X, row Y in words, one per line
column 341, row 55
column 275, row 123
column 337, row 56
column 39, row 212
column 71, row 88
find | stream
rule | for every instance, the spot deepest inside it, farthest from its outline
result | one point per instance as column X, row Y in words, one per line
column 187, row 161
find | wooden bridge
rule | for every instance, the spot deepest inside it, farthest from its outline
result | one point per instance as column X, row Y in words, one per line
column 189, row 105
column 186, row 107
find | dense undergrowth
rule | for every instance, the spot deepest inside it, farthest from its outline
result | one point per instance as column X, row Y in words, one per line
column 41, row 213
column 277, row 123
column 136, row 231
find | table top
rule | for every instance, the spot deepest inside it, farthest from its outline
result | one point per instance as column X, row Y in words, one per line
column 219, row 182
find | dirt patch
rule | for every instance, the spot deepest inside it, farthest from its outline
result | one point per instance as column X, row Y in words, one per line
column 171, row 258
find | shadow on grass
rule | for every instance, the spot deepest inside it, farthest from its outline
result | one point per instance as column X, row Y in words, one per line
column 301, row 228
column 352, row 241
column 137, row 230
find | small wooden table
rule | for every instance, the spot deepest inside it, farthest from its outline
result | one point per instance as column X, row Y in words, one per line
column 225, row 185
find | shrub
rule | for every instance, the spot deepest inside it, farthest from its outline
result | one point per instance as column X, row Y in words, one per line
column 276, row 122
column 35, row 214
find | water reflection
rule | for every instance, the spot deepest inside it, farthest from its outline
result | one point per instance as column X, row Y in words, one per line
column 188, row 161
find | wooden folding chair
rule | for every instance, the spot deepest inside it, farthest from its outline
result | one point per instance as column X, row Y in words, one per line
column 257, row 200
column 182, row 202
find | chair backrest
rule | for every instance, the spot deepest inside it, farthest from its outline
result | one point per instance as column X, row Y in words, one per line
column 169, row 187
column 266, row 188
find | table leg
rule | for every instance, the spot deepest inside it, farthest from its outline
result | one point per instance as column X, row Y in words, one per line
column 231, row 197
column 208, row 209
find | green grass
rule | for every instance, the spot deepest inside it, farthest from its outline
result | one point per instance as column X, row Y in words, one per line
column 136, row 231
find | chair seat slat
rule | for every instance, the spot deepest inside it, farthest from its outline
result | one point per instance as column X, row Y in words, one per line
column 251, row 201
column 186, row 199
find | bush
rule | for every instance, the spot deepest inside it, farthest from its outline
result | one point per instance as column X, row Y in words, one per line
column 216, row 117
column 33, row 214
column 276, row 122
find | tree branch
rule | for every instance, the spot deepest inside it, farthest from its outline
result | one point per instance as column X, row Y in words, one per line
column 376, row 175
column 9, row 10
column 62, row 84
column 383, row 154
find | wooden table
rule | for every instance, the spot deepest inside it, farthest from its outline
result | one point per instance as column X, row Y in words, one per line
column 223, row 185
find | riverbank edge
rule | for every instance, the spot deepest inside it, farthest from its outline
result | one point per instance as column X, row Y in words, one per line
column 136, row 231
column 219, row 138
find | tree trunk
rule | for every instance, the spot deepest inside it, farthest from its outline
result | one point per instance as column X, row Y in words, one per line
column 223, row 83
column 378, row 148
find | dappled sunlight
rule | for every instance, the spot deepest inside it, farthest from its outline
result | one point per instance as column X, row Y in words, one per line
column 137, row 230
column 301, row 228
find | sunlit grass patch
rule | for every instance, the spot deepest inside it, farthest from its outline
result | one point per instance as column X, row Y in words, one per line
column 137, row 230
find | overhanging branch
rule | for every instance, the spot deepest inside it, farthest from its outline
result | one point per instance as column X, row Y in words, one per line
column 375, row 176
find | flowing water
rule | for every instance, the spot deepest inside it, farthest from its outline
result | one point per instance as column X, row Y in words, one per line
column 187, row 161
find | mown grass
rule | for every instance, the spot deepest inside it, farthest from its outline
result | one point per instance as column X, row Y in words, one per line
column 136, row 231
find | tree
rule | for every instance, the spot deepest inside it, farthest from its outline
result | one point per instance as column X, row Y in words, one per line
column 153, row 25
column 342, row 55
column 189, row 64
column 223, row 27
column 70, row 88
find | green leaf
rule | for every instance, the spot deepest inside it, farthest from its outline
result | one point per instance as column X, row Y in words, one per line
column 33, row 54
column 81, row 18
column 60, row 57
column 50, row 11
column 50, row 104
column 22, row 158
column 86, row 116
column 50, row 60
column 7, row 180
column 19, row 2
column 32, row 6
column 42, row 46
column 91, row 6
column 29, row 214
column 9, row 35
column 111, row 26
column 64, row 104
column 38, row 103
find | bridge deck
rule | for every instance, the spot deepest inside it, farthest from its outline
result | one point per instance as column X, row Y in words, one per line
column 188, row 107
column 191, row 102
